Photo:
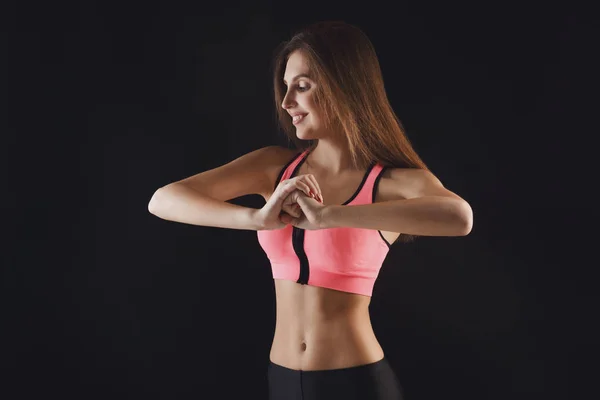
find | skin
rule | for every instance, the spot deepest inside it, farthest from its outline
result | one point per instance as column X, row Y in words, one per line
column 319, row 328
column 331, row 156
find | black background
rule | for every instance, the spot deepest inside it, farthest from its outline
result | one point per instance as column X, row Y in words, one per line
column 107, row 101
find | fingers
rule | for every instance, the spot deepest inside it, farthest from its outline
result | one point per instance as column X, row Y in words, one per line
column 298, row 184
column 309, row 185
column 315, row 185
column 289, row 204
column 296, row 211
column 285, row 218
column 292, row 209
column 306, row 183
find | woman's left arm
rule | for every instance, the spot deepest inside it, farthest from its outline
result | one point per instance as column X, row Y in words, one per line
column 424, row 207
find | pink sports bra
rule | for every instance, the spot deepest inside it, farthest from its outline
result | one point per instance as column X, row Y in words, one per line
column 344, row 259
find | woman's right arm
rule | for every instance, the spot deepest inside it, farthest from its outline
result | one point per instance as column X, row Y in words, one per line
column 201, row 199
column 178, row 202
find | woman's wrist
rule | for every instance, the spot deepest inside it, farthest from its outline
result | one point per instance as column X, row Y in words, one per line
column 328, row 216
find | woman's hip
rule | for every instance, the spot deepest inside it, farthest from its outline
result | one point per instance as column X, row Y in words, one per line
column 373, row 381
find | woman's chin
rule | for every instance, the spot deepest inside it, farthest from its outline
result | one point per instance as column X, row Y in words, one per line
column 304, row 134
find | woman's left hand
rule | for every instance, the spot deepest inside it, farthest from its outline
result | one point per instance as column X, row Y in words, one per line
column 311, row 210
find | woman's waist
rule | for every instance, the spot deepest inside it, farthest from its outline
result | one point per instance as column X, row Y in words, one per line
column 326, row 345
column 313, row 320
column 309, row 305
column 325, row 334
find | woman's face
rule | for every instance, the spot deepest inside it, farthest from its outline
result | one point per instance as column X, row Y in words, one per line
column 299, row 99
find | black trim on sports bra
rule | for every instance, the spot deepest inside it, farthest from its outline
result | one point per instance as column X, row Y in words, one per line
column 375, row 184
column 283, row 170
column 369, row 169
column 356, row 192
column 298, row 242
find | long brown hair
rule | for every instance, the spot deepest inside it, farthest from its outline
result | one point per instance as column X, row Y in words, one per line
column 350, row 90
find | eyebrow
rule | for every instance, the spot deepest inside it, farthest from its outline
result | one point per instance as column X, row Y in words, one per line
column 297, row 77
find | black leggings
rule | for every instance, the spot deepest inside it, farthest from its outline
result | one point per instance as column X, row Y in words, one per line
column 375, row 381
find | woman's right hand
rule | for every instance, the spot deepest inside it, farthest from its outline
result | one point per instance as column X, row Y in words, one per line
column 268, row 217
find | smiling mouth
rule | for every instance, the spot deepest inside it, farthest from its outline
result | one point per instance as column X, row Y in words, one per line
column 298, row 118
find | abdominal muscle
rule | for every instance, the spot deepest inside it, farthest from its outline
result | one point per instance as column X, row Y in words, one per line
column 318, row 328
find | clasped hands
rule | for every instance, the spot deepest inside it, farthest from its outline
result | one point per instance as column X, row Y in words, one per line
column 307, row 210
column 296, row 201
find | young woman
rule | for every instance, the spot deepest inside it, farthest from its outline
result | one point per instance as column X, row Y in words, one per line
column 351, row 187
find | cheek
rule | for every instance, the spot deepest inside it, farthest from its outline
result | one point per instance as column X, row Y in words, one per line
column 312, row 105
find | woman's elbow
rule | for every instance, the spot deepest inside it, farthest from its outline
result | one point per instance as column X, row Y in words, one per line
column 154, row 203
column 465, row 213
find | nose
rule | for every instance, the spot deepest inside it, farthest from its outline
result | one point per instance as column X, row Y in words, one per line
column 287, row 101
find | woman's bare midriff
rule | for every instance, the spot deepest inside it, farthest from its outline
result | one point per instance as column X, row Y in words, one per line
column 318, row 328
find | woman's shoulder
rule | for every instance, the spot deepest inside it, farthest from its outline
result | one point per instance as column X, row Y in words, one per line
column 276, row 157
column 273, row 155
column 401, row 182
column 280, row 152
column 407, row 175
column 409, row 183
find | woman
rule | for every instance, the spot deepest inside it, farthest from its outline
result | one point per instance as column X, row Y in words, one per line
column 334, row 205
